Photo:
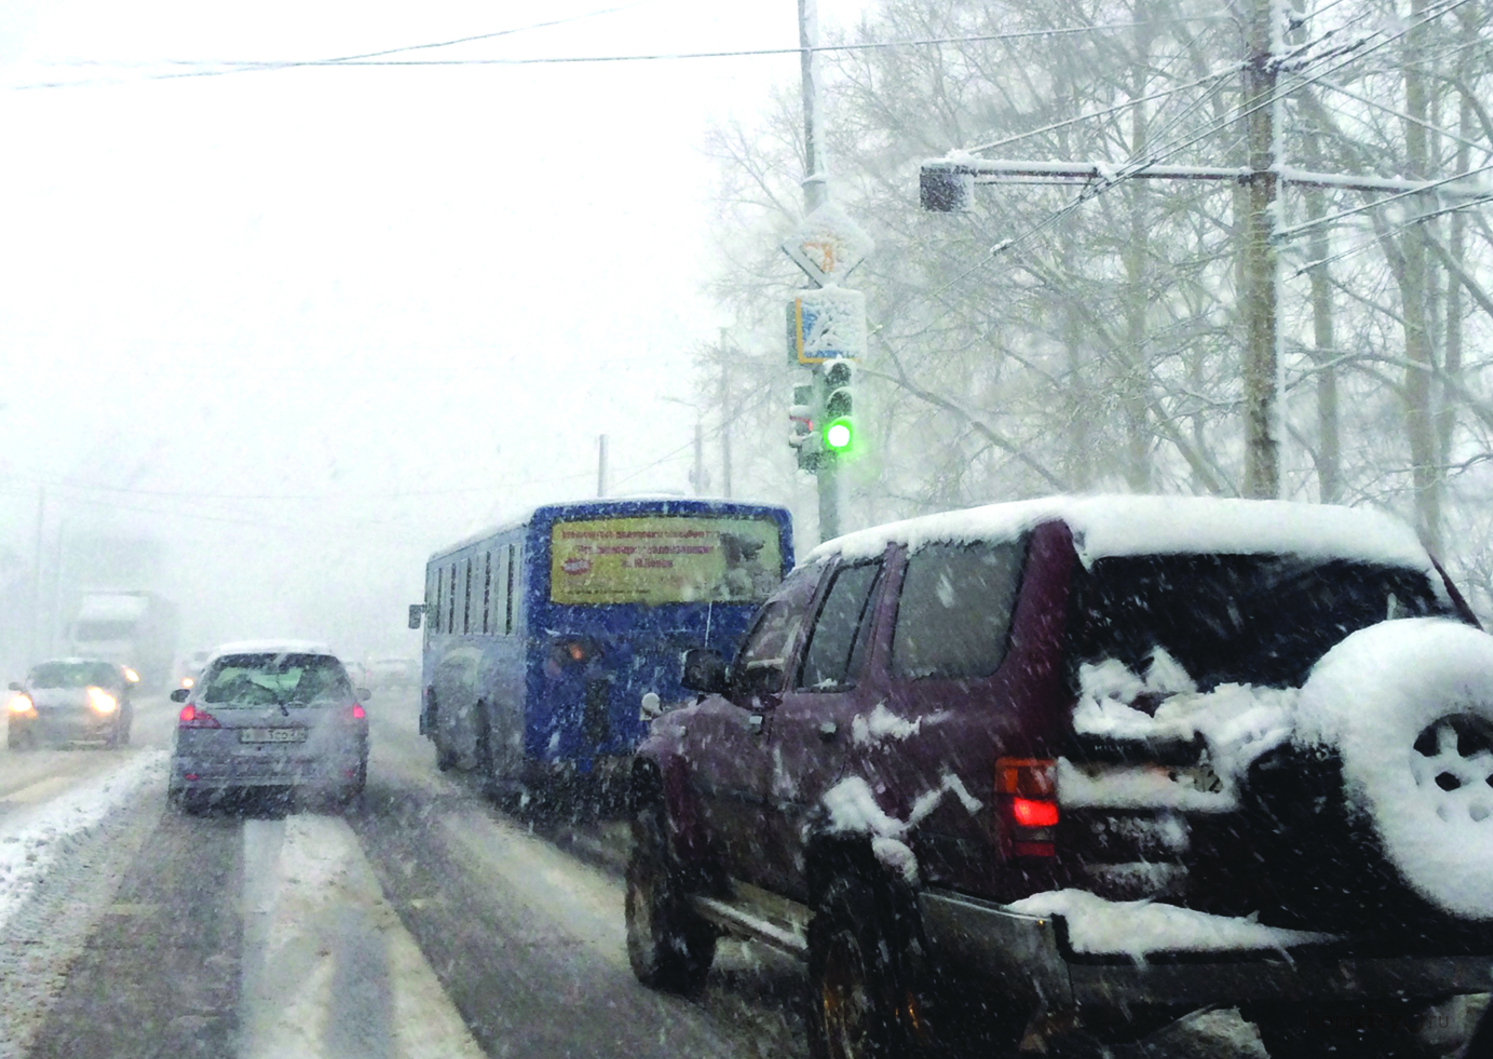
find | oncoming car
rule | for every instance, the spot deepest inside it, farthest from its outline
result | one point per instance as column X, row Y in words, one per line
column 189, row 671
column 71, row 699
column 277, row 715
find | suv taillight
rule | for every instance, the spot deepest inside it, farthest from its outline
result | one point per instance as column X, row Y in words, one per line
column 1026, row 797
column 192, row 717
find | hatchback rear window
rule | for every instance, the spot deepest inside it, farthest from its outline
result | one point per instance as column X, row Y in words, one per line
column 954, row 613
column 72, row 675
column 275, row 680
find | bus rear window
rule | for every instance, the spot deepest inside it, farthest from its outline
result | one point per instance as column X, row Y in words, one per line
column 664, row 559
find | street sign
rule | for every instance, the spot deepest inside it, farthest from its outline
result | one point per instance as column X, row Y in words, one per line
column 826, row 324
column 828, row 245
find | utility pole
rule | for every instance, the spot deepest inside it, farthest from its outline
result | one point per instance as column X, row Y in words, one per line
column 41, row 521
column 725, row 404
column 946, row 186
column 601, row 466
column 1261, row 348
column 697, row 477
column 816, row 194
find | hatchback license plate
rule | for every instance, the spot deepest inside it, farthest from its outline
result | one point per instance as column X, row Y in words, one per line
column 272, row 735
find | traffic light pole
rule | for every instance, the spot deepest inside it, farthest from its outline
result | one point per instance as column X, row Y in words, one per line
column 816, row 194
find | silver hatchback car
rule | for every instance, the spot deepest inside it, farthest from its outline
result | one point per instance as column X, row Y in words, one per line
column 277, row 715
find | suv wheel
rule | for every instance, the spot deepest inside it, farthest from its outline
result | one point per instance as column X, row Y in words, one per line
column 855, row 995
column 668, row 946
column 1409, row 707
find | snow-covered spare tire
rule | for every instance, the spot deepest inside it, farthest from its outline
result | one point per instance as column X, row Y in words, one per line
column 1408, row 705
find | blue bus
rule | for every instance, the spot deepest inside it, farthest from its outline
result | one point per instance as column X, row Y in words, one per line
column 548, row 640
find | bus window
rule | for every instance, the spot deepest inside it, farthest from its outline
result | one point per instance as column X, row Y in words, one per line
column 499, row 593
column 466, row 596
column 440, row 598
column 486, row 589
column 451, row 600
column 508, row 607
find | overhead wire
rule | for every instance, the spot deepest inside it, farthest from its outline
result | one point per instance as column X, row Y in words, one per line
column 217, row 68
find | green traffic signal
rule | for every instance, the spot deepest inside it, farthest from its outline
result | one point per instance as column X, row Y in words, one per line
column 838, row 435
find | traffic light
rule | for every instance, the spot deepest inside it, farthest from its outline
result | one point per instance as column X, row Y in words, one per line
column 838, row 430
column 944, row 188
column 803, row 413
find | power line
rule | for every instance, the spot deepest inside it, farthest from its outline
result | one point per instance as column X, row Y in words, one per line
column 218, row 68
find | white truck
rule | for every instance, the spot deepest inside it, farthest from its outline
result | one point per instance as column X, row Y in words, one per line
column 131, row 626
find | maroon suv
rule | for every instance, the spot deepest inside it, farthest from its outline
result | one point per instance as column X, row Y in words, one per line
column 1085, row 765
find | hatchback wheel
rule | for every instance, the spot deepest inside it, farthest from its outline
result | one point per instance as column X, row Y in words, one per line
column 668, row 946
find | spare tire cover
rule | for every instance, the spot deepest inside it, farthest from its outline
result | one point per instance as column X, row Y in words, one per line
column 1409, row 707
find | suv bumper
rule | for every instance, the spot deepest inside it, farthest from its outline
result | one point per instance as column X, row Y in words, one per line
column 1030, row 955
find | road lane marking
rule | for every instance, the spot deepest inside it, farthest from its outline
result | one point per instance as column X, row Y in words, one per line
column 329, row 971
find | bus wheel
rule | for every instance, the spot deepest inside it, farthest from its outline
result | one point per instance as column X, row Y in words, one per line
column 484, row 742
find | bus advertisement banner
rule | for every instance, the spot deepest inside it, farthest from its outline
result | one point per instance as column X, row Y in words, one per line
column 660, row 559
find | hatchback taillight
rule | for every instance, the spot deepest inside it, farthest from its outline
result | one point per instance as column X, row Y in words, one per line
column 1026, row 796
column 192, row 717
column 357, row 712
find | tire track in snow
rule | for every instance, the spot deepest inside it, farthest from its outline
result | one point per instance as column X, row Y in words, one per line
column 328, row 971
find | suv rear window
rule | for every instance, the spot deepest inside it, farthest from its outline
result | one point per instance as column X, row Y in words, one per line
column 1245, row 619
column 954, row 613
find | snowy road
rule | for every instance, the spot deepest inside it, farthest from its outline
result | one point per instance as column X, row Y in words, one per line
column 424, row 923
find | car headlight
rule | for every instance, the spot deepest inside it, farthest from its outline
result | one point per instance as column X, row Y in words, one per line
column 188, row 682
column 101, row 700
column 22, row 704
column 131, row 675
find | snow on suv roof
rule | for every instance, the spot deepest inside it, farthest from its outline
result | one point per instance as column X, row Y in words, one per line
column 1163, row 525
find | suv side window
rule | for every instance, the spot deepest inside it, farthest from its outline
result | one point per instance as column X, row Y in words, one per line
column 762, row 659
column 954, row 613
column 841, row 631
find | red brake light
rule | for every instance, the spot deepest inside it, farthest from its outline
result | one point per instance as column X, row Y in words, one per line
column 1026, row 792
column 192, row 717
column 358, row 712
column 1028, row 812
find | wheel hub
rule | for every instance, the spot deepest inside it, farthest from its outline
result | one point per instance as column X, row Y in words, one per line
column 1453, row 765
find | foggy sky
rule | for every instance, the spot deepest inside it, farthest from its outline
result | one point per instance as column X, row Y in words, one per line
column 309, row 324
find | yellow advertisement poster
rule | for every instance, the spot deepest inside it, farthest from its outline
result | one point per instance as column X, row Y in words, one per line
column 664, row 559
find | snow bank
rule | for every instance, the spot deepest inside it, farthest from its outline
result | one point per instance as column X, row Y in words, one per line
column 1236, row 722
column 1375, row 695
column 1139, row 928
column 29, row 838
column 1164, row 525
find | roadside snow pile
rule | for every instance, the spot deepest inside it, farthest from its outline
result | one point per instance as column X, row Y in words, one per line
column 1138, row 928
column 1409, row 706
column 1236, row 722
column 30, row 837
